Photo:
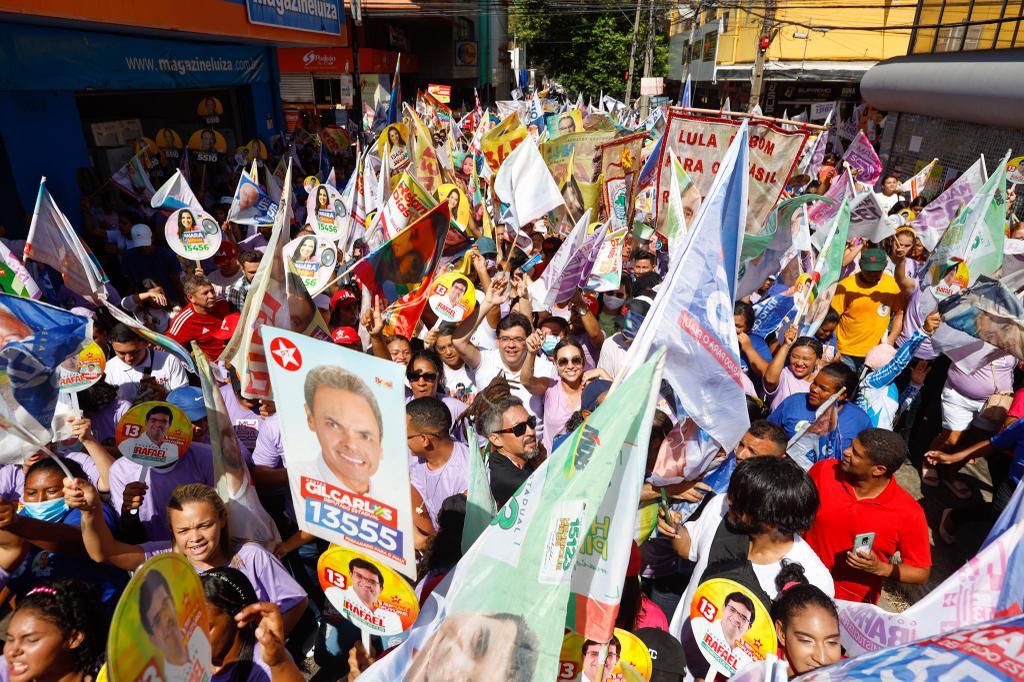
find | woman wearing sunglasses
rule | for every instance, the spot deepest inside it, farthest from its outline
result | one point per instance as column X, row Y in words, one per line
column 425, row 376
column 561, row 395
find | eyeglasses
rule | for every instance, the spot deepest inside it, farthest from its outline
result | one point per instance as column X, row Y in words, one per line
column 519, row 430
column 425, row 376
column 576, row 360
column 737, row 613
column 512, row 339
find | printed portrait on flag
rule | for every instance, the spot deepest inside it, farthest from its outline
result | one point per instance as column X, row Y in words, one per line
column 250, row 204
column 564, row 124
column 394, row 143
column 325, row 211
column 192, row 234
column 458, row 205
column 579, row 657
column 347, row 469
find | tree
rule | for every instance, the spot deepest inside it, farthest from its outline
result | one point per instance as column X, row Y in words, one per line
column 586, row 48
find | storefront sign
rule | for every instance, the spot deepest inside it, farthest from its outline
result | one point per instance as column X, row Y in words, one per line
column 316, row 16
column 339, row 60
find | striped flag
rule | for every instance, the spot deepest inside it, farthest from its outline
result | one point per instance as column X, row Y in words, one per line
column 14, row 278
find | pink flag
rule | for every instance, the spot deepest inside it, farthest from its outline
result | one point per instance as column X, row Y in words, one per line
column 863, row 160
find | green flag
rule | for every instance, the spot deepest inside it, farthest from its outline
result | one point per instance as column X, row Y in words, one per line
column 830, row 260
column 977, row 233
column 480, row 507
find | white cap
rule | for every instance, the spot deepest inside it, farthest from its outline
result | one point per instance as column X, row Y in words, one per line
column 141, row 235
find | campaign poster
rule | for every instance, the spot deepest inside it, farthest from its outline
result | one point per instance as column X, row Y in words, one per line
column 348, row 470
column 153, row 433
column 326, row 213
column 452, row 297
column 564, row 124
column 192, row 234
column 169, row 142
column 394, row 144
column 578, row 659
column 368, row 593
column 310, row 183
column 81, row 371
column 209, row 142
column 729, row 628
column 160, row 629
column 458, row 205
column 607, row 272
column 314, row 259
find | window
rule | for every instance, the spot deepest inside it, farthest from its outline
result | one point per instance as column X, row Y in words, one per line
column 464, row 29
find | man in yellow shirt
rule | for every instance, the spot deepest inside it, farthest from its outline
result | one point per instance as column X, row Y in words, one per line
column 867, row 301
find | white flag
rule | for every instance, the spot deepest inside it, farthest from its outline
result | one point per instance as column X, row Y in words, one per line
column 525, row 184
column 175, row 194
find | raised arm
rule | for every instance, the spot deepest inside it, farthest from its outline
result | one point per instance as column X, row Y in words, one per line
column 535, row 385
column 373, row 320
column 773, row 372
column 497, row 293
column 101, row 457
column 99, row 542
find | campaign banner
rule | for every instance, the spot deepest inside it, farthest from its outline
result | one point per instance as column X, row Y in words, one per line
column 565, row 123
column 987, row 311
column 175, row 193
column 160, row 629
column 153, row 433
column 868, row 219
column 576, row 155
column 701, row 144
column 250, row 205
column 459, row 207
column 501, row 140
column 314, row 259
column 862, row 160
column 81, row 371
column 192, row 234
column 407, row 204
column 607, row 272
column 348, row 474
column 425, row 168
column 326, row 212
column 931, row 221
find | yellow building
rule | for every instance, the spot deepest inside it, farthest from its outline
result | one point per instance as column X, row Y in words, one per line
column 817, row 52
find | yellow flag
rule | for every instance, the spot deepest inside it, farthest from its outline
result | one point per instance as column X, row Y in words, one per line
column 425, row 167
column 500, row 140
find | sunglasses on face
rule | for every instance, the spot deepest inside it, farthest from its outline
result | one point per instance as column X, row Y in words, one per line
column 575, row 361
column 425, row 376
column 519, row 430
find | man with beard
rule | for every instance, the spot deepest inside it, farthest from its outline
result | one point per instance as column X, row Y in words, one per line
column 512, row 441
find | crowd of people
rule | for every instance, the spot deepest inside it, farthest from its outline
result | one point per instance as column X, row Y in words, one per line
column 524, row 378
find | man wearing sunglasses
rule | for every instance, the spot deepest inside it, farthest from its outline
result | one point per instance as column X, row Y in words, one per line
column 512, row 444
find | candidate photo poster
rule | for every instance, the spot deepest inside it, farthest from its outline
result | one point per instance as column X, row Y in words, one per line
column 342, row 416
column 325, row 212
column 160, row 629
column 192, row 234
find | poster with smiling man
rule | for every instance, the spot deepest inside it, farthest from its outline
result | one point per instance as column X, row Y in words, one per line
column 342, row 417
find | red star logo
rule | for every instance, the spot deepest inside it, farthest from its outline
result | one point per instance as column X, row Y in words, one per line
column 286, row 354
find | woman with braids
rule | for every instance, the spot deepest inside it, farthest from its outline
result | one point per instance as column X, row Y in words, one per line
column 57, row 633
column 806, row 622
column 246, row 635
column 199, row 530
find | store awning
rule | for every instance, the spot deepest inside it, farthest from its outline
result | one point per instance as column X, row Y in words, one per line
column 834, row 71
column 985, row 87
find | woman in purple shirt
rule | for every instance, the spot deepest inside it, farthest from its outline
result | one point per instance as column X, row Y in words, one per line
column 199, row 530
column 246, row 635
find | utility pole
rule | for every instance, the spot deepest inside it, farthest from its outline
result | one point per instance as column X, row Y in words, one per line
column 357, row 85
column 763, row 42
column 645, row 100
column 632, row 55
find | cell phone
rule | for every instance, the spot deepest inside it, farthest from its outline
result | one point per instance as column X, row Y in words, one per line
column 531, row 263
column 865, row 541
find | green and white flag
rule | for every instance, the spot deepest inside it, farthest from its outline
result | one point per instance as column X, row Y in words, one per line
column 830, row 260
column 503, row 617
column 480, row 506
column 977, row 234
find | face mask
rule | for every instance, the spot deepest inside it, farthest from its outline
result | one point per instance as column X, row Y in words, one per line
column 550, row 341
column 50, row 511
column 631, row 325
column 613, row 302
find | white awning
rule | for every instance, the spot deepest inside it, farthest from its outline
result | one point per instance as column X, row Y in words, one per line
column 985, row 87
column 834, row 71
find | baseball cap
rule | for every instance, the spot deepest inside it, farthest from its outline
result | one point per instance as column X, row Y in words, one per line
column 227, row 251
column 342, row 296
column 346, row 336
column 189, row 399
column 141, row 235
column 486, row 246
column 873, row 260
column 668, row 661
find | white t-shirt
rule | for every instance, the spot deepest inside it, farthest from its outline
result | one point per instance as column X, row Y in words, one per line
column 169, row 372
column 887, row 202
column 199, row 658
column 491, row 366
column 221, row 282
column 613, row 354
column 702, row 534
column 380, row 620
column 464, row 377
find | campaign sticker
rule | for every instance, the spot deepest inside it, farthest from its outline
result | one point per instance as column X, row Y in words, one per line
column 81, row 371
column 192, row 234
column 314, row 259
column 366, row 592
column 729, row 627
column 452, row 297
column 579, row 657
column 326, row 212
column 153, row 433
column 1015, row 171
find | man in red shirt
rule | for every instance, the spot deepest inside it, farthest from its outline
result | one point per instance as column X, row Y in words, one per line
column 201, row 319
column 858, row 496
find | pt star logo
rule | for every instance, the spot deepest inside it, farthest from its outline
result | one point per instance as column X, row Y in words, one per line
column 285, row 354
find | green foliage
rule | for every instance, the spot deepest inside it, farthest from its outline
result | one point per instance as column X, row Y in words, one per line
column 588, row 51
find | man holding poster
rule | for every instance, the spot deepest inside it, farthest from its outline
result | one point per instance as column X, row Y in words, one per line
column 349, row 476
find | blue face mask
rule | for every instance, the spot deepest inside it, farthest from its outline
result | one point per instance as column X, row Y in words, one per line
column 631, row 324
column 550, row 341
column 50, row 511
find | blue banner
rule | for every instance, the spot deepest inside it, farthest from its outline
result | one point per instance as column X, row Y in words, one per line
column 317, row 16
column 36, row 58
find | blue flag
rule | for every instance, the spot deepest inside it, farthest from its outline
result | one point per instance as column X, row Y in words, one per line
column 35, row 338
column 770, row 313
column 395, row 103
column 648, row 172
column 686, row 99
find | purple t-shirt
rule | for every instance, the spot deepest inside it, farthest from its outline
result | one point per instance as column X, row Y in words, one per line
column 455, row 407
column 104, row 420
column 269, row 450
column 992, row 378
column 245, row 422
column 912, row 321
column 258, row 672
column 788, row 385
column 269, row 578
column 12, row 476
column 196, row 466
column 437, row 486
